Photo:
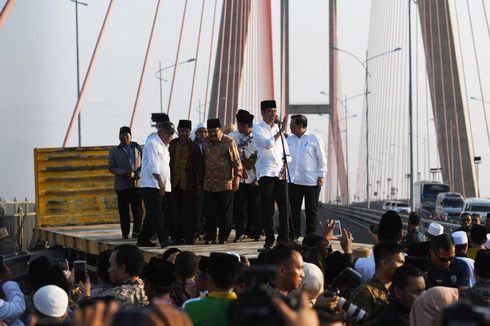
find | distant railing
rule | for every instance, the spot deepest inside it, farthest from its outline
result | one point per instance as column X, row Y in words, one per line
column 17, row 222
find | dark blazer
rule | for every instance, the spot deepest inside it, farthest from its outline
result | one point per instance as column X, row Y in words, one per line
column 119, row 166
column 194, row 168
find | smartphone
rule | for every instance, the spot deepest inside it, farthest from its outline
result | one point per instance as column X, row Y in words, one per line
column 2, row 262
column 337, row 229
column 80, row 268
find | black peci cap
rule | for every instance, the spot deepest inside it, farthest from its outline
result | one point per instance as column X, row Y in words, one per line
column 159, row 117
column 125, row 129
column 268, row 104
column 185, row 124
column 213, row 124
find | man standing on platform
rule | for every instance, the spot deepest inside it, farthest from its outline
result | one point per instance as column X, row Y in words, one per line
column 246, row 198
column 155, row 180
column 186, row 171
column 271, row 171
column 307, row 173
column 125, row 164
column 221, row 177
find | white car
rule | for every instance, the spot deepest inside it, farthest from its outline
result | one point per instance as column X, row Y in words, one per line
column 386, row 206
column 400, row 207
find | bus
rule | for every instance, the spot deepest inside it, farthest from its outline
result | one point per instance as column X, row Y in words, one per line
column 425, row 195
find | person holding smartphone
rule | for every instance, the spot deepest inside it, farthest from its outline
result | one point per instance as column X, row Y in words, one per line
column 13, row 306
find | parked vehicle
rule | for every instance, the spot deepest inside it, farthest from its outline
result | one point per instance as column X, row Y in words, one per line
column 400, row 207
column 449, row 206
column 386, row 205
column 477, row 205
column 425, row 195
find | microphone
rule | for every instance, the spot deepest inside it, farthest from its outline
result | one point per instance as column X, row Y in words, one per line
column 277, row 122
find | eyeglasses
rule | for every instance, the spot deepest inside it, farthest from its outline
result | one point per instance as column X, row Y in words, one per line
column 443, row 259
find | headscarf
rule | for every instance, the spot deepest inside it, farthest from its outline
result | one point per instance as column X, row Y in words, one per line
column 427, row 307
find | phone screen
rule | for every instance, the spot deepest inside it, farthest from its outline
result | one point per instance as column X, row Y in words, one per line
column 337, row 229
column 80, row 267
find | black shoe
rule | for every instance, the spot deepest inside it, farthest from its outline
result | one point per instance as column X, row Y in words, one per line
column 222, row 242
column 268, row 244
column 135, row 235
column 145, row 244
column 125, row 237
column 165, row 243
column 208, row 242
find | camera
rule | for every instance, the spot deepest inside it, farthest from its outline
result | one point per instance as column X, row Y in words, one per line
column 350, row 279
column 254, row 306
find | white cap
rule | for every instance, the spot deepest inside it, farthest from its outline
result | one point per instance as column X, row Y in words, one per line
column 200, row 125
column 435, row 229
column 51, row 301
column 460, row 237
column 487, row 244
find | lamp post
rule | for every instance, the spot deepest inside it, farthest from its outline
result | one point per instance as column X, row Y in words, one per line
column 477, row 161
column 344, row 104
column 364, row 65
column 158, row 75
column 78, row 68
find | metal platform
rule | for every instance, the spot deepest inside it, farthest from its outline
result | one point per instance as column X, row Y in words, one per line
column 94, row 239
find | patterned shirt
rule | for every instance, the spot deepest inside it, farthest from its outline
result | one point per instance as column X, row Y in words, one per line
column 178, row 172
column 222, row 164
column 129, row 294
column 371, row 296
column 248, row 155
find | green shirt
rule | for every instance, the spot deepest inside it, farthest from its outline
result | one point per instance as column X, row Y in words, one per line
column 211, row 311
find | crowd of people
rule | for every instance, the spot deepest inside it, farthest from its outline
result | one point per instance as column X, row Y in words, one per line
column 429, row 281
column 202, row 187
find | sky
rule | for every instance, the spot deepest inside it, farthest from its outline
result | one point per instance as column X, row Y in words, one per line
column 38, row 73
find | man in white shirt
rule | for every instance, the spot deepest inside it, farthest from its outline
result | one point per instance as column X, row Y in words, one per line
column 246, row 198
column 271, row 172
column 155, row 181
column 460, row 239
column 13, row 305
column 307, row 173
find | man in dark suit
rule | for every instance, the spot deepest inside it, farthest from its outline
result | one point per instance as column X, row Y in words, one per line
column 125, row 164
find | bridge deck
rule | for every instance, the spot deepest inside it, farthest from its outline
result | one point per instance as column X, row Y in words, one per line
column 94, row 239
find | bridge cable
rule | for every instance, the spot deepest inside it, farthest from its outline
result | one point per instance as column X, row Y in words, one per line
column 478, row 71
column 177, row 57
column 145, row 63
column 486, row 18
column 453, row 87
column 210, row 60
column 197, row 58
column 223, row 21
column 232, row 24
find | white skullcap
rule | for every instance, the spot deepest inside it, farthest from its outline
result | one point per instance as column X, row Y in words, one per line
column 51, row 301
column 487, row 244
column 200, row 125
column 460, row 237
column 435, row 229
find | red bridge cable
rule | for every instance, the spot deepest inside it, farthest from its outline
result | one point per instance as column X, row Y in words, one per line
column 197, row 60
column 6, row 11
column 145, row 64
column 478, row 71
column 453, row 87
column 463, row 70
column 86, row 81
column 218, row 97
column 210, row 60
column 177, row 57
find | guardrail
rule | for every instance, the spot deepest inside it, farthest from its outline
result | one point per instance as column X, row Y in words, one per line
column 16, row 231
column 372, row 216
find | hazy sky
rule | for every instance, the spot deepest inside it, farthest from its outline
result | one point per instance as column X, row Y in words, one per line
column 38, row 72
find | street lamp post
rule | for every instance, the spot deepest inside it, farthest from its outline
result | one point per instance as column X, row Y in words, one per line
column 78, row 69
column 158, row 75
column 344, row 104
column 364, row 64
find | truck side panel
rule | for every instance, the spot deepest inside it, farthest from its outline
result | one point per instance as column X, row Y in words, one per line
column 74, row 186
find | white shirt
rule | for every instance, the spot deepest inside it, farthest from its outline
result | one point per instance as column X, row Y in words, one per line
column 14, row 305
column 246, row 148
column 308, row 159
column 366, row 267
column 269, row 150
column 471, row 264
column 156, row 160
